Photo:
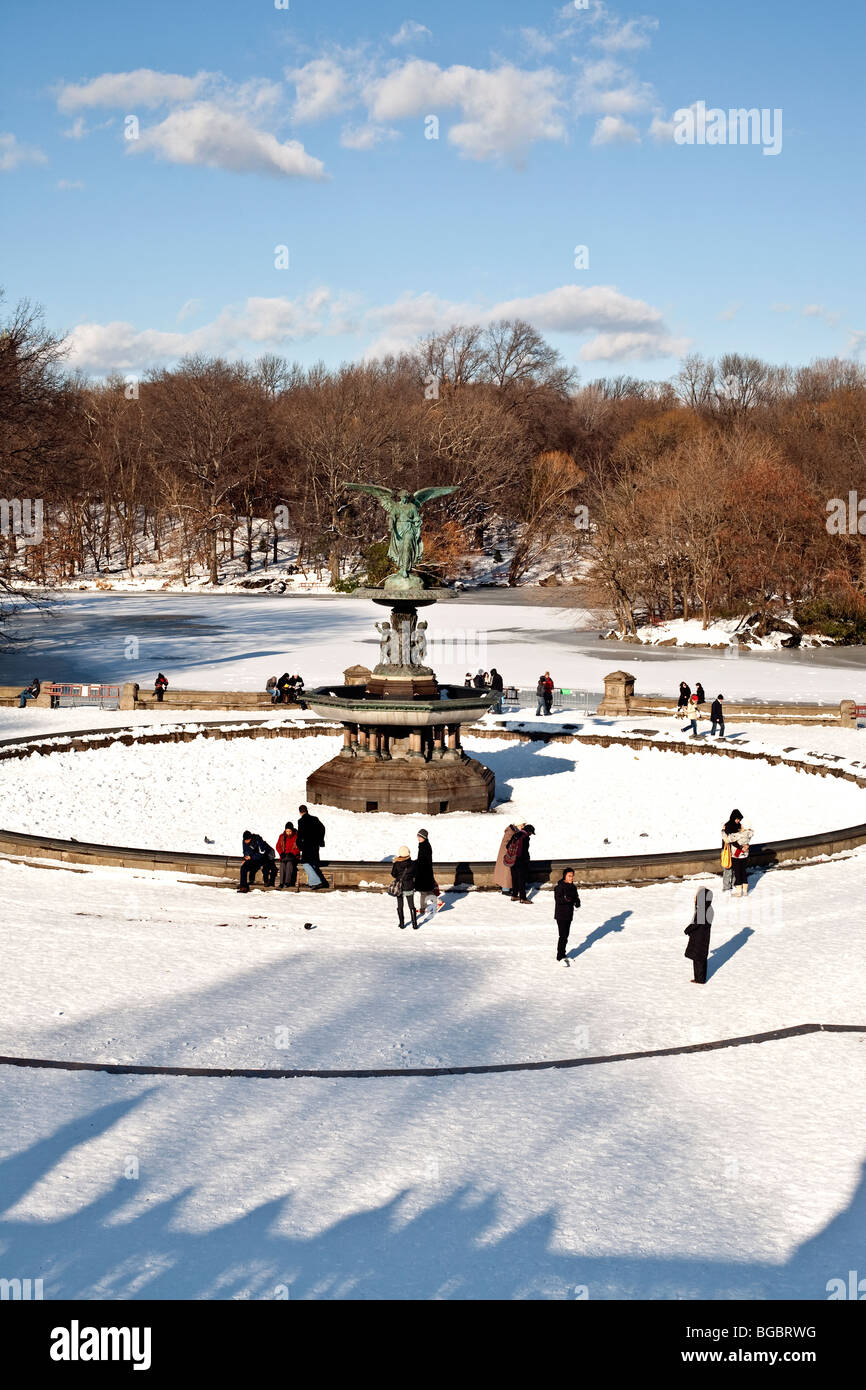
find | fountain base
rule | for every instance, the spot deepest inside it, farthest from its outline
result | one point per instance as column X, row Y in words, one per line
column 403, row 785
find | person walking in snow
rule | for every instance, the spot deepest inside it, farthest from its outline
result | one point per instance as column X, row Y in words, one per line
column 565, row 899
column 160, row 686
column 311, row 839
column 717, row 714
column 425, row 880
column 517, row 859
column 287, row 849
column 692, row 715
column 403, row 874
column 698, row 932
column 497, row 685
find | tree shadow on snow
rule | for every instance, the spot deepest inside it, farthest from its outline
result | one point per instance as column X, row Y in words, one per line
column 427, row 1241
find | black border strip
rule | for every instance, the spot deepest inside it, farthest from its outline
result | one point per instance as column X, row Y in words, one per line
column 380, row 1073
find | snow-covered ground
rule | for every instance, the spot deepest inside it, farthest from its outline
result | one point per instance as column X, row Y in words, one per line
column 710, row 1175
column 200, row 796
column 236, row 643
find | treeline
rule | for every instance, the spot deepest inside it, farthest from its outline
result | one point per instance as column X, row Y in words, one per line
column 703, row 495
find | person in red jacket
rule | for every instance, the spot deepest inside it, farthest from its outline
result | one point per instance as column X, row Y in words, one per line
column 548, row 688
column 287, row 849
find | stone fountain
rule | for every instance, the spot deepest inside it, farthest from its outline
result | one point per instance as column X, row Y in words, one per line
column 401, row 730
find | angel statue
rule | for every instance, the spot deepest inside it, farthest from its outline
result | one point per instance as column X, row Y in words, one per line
column 404, row 517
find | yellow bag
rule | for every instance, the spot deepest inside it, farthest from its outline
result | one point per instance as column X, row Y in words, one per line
column 727, row 857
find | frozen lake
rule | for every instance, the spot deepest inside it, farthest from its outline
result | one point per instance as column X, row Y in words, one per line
column 236, row 641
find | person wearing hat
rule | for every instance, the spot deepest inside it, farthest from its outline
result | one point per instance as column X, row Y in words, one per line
column 692, row 715
column 425, row 879
column 403, row 874
column 565, row 899
column 698, row 932
column 517, row 859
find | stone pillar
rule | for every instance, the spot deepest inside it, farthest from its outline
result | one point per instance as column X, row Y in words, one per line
column 439, row 741
column 618, row 693
column 385, row 746
column 363, row 742
column 416, row 751
column 128, row 694
column 43, row 699
column 848, row 714
column 347, row 751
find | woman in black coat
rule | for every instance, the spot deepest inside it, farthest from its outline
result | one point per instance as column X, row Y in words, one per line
column 403, row 874
column 520, row 866
column 698, row 932
column 566, row 899
column 425, row 880
column 684, row 696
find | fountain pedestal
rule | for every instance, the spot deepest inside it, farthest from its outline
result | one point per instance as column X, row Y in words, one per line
column 401, row 741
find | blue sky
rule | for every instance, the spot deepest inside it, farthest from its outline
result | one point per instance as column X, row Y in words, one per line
column 305, row 127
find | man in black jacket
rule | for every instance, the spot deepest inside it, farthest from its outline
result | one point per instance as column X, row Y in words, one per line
column 253, row 859
column 311, row 838
column 566, row 899
column 717, row 714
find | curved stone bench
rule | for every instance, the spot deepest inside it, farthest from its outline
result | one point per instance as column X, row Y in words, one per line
column 358, row 874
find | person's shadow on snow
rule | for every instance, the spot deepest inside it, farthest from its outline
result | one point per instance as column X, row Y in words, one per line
column 612, row 924
column 722, row 954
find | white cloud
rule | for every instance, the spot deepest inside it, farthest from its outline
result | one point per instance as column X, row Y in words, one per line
column 625, row 36
column 623, row 327
column 781, row 308
column 13, row 154
column 661, row 129
column 188, row 309
column 409, row 31
column 219, row 138
column 624, row 347
column 614, row 130
column 731, row 311
column 537, row 41
column 365, row 137
column 504, row 111
column 606, row 88
column 143, row 87
column 119, row 346
column 323, row 88
column 69, row 183
column 857, row 342
column 818, row 311
column 635, row 325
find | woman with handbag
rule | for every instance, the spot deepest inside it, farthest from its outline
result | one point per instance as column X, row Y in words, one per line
column 730, row 827
column 403, row 885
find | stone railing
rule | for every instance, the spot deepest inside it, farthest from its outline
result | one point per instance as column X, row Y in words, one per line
column 357, row 874
column 620, row 702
